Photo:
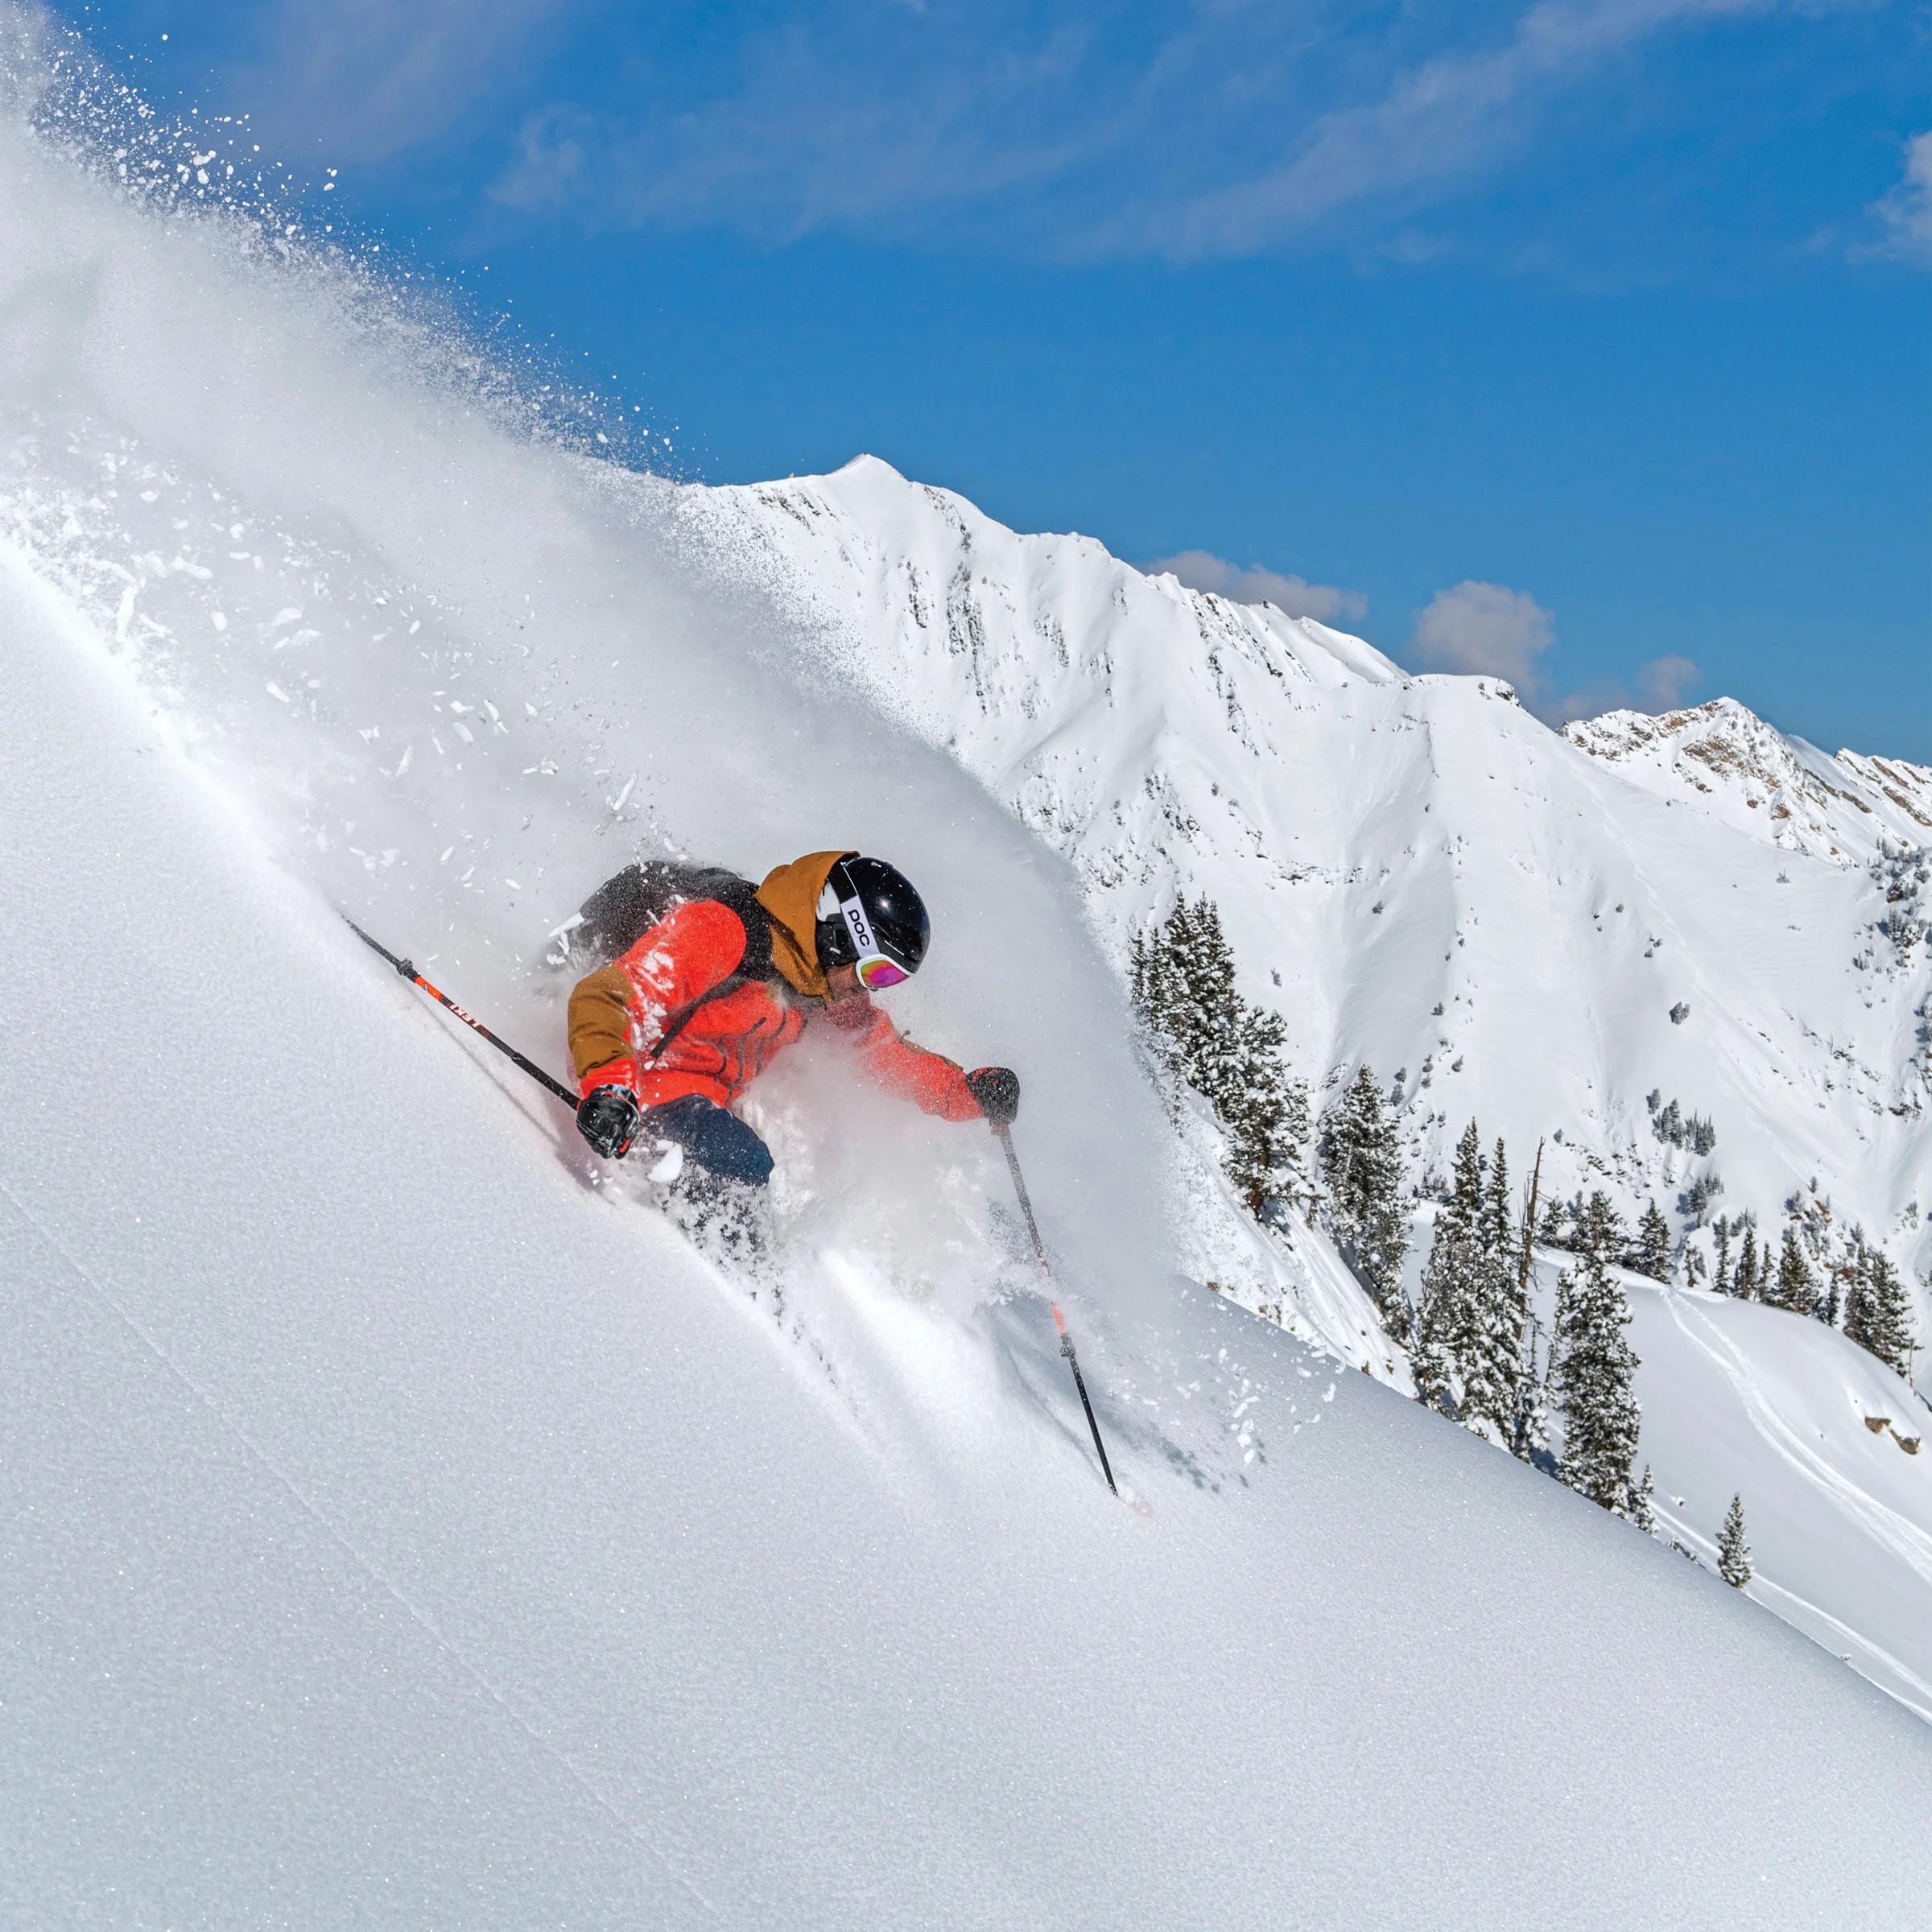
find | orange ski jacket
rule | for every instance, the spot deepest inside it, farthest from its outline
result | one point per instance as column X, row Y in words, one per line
column 619, row 1012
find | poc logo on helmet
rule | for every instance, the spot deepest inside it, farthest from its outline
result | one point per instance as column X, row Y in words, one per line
column 858, row 927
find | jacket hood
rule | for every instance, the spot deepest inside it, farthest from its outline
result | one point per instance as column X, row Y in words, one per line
column 791, row 896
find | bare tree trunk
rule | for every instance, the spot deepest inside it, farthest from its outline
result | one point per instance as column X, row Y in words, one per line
column 1523, row 1277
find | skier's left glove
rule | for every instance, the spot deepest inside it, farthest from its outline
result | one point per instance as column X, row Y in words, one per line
column 607, row 1117
column 998, row 1091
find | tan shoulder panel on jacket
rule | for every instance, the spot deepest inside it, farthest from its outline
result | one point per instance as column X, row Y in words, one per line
column 600, row 1020
column 790, row 895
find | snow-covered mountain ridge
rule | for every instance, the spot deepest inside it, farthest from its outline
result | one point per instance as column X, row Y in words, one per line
column 410, row 1525
column 1728, row 761
column 1538, row 931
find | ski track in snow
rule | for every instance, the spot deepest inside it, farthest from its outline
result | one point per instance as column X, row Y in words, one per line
column 1884, row 1669
column 1885, row 1526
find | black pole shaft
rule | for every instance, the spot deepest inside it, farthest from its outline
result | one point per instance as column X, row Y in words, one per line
column 409, row 972
column 1059, row 1320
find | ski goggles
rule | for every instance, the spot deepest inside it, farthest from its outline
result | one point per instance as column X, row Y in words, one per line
column 876, row 968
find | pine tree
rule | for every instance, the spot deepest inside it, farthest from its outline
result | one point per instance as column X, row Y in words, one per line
column 1497, row 1228
column 1530, row 1425
column 1529, row 1417
column 1228, row 1049
column 1878, row 1316
column 1640, row 1513
column 1445, row 1346
column 1265, row 1111
column 1595, row 1370
column 1733, row 1552
column 1825, row 1309
column 1554, row 1231
column 1653, row 1245
column 1183, row 976
column 1795, row 1286
column 1746, row 1287
column 1362, row 1161
column 1493, row 1374
column 1720, row 1279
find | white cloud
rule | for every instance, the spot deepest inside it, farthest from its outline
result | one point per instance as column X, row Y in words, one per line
column 1662, row 685
column 1906, row 212
column 1201, row 570
column 1485, row 628
column 1665, row 683
column 1490, row 630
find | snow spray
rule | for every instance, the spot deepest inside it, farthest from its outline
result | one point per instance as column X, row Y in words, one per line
column 1059, row 1320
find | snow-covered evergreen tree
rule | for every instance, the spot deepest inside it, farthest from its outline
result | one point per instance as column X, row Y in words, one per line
column 1794, row 1286
column 1878, row 1316
column 1530, row 1424
column 1652, row 1256
column 1745, row 1285
column 1446, row 1328
column 1640, row 1513
column 1554, row 1229
column 1720, row 1273
column 1227, row 1049
column 1494, row 1373
column 1182, row 978
column 1362, row 1163
column 1829, row 1305
column 1594, row 1369
column 1264, row 1110
column 1733, row 1552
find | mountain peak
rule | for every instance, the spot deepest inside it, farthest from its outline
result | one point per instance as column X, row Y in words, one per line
column 1724, row 759
column 866, row 463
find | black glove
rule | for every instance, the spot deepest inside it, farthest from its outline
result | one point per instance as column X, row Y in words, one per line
column 998, row 1091
column 607, row 1117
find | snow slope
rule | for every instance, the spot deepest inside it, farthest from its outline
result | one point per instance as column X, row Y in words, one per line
column 403, row 1531
column 407, row 1525
column 1743, row 1400
column 1540, row 934
column 1412, row 869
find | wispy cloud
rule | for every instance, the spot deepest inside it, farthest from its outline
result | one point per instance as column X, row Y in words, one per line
column 820, row 132
column 1163, row 135
column 1437, row 123
column 1222, row 128
column 371, row 78
column 1201, row 570
column 1905, row 213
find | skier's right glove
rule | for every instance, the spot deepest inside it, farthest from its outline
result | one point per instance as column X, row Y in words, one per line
column 998, row 1091
column 607, row 1117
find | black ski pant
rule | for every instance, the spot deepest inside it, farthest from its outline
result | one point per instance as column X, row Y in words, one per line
column 719, row 1142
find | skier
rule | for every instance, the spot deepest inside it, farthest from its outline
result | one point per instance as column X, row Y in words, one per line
column 666, row 1036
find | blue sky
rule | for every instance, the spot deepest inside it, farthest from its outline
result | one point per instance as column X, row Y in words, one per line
column 1589, row 341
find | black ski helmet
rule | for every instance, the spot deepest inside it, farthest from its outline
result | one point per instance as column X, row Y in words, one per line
column 887, row 907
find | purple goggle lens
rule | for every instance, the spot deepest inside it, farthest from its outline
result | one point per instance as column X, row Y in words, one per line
column 875, row 970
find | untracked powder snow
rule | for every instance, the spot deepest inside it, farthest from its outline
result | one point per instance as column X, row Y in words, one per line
column 407, row 1525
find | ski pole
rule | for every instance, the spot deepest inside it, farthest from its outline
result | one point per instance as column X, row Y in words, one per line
column 1059, row 1320
column 409, row 972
